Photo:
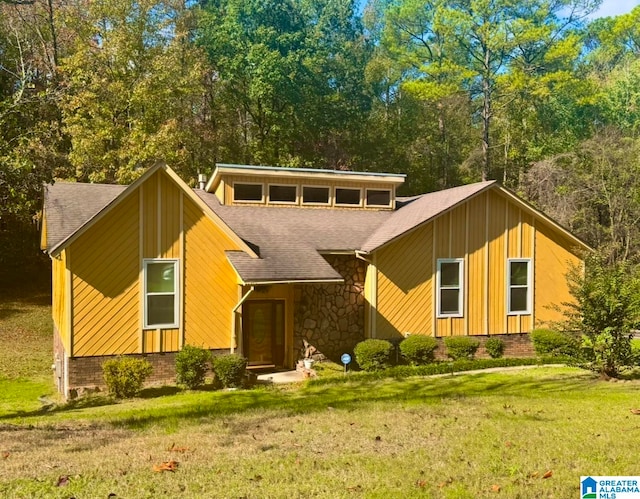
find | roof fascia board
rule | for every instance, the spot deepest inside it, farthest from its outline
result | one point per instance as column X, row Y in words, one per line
column 537, row 213
column 295, row 281
column 220, row 170
column 416, row 227
column 336, row 252
column 240, row 279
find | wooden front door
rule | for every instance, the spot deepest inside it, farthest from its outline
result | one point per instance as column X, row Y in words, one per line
column 263, row 332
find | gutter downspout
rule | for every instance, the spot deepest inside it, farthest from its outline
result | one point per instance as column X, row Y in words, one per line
column 233, row 317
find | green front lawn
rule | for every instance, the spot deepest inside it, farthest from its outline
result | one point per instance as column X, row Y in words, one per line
column 454, row 437
column 468, row 436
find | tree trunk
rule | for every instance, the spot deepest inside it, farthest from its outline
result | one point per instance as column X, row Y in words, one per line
column 486, row 115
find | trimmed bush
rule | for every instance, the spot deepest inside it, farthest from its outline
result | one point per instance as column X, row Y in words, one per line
column 229, row 369
column 494, row 347
column 550, row 342
column 461, row 347
column 125, row 376
column 373, row 355
column 191, row 366
column 418, row 349
column 400, row 372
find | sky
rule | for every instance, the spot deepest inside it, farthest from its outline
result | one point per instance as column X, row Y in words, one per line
column 615, row 8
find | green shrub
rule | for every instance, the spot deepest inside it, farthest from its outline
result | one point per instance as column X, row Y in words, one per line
column 605, row 310
column 550, row 342
column 461, row 347
column 125, row 376
column 400, row 372
column 418, row 349
column 229, row 369
column 373, row 355
column 494, row 347
column 191, row 366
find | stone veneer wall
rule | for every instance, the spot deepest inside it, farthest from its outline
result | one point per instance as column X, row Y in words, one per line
column 331, row 316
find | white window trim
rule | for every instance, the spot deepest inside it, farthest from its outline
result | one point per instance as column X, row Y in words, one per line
column 269, row 201
column 344, row 188
column 367, row 205
column 176, row 293
column 253, row 201
column 528, row 286
column 329, row 198
column 460, row 286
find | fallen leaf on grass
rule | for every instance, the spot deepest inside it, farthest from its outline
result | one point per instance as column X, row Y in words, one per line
column 357, row 488
column 448, row 481
column 421, row 483
column 166, row 466
column 495, row 488
column 63, row 481
column 173, row 448
column 5, row 455
column 548, row 474
column 508, row 444
column 635, row 411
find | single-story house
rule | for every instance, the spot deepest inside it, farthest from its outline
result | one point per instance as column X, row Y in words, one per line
column 259, row 258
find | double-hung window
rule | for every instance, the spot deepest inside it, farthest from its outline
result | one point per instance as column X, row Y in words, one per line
column 161, row 297
column 450, row 287
column 519, row 286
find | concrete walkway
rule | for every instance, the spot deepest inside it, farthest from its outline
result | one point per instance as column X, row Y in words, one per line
column 281, row 377
column 296, row 376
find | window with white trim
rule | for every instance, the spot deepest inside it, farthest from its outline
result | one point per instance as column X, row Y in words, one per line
column 450, row 287
column 378, row 197
column 161, row 299
column 283, row 193
column 315, row 195
column 518, row 286
column 248, row 193
column 348, row 197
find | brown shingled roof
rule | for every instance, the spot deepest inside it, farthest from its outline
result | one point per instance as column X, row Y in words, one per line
column 290, row 240
column 70, row 205
column 420, row 210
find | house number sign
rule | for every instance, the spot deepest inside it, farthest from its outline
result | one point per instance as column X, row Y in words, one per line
column 346, row 359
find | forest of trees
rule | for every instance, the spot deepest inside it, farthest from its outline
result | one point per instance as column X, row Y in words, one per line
column 527, row 92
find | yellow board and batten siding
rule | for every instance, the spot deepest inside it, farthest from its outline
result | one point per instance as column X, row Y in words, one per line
column 105, row 297
column 405, row 285
column 60, row 299
column 552, row 252
column 484, row 231
column 156, row 220
column 210, row 287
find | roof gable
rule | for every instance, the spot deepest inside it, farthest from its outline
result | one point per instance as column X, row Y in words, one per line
column 85, row 209
column 420, row 210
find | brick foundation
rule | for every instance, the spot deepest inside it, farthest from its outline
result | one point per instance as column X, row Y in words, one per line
column 86, row 372
column 515, row 345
